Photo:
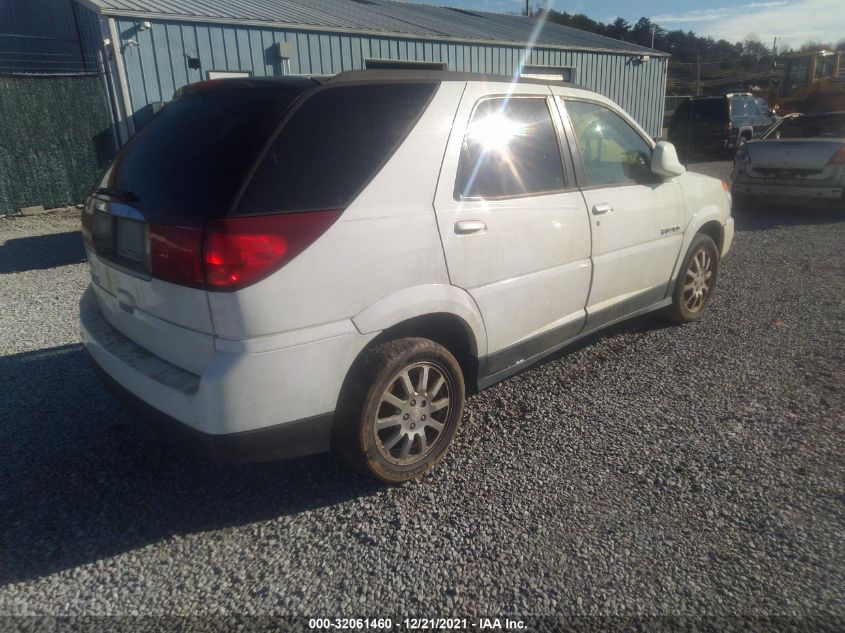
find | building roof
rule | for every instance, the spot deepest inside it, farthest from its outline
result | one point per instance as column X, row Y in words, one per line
column 373, row 17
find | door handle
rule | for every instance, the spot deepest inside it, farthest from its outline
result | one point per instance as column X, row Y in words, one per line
column 467, row 227
column 604, row 207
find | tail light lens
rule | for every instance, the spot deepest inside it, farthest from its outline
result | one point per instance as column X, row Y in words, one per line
column 176, row 254
column 838, row 158
column 241, row 251
column 228, row 253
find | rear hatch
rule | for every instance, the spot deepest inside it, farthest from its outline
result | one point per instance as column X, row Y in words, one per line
column 711, row 121
column 144, row 224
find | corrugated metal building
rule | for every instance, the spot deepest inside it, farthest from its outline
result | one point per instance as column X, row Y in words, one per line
column 156, row 47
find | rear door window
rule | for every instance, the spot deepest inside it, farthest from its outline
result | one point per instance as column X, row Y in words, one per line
column 190, row 160
column 710, row 109
column 510, row 149
column 332, row 146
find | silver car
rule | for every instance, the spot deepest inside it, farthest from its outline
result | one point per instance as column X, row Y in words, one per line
column 800, row 158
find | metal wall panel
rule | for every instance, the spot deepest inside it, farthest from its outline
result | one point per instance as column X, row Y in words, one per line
column 158, row 64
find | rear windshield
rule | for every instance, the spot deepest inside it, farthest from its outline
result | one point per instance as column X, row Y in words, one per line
column 333, row 145
column 812, row 126
column 190, row 160
column 710, row 109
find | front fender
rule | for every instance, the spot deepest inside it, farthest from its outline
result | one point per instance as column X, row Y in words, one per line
column 420, row 301
column 705, row 201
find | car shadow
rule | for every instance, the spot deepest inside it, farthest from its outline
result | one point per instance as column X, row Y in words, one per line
column 759, row 216
column 82, row 479
column 41, row 251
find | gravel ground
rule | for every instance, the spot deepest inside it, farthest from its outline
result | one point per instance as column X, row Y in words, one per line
column 653, row 470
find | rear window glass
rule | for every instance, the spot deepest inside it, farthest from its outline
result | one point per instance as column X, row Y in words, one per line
column 816, row 126
column 332, row 146
column 191, row 158
column 710, row 109
column 742, row 106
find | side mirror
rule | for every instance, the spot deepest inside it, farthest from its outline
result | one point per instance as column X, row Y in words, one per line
column 664, row 161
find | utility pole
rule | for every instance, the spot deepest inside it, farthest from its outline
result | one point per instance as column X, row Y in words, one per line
column 653, row 31
column 527, row 8
column 774, row 65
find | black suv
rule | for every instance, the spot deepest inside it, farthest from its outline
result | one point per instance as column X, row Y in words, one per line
column 718, row 125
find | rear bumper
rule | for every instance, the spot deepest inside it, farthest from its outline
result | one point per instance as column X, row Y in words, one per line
column 788, row 191
column 291, row 439
column 244, row 406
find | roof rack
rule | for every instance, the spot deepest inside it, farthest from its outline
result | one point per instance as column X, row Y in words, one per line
column 412, row 74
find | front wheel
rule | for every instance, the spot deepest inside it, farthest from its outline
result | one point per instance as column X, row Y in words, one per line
column 696, row 281
column 402, row 409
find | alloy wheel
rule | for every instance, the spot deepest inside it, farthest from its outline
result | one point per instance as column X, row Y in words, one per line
column 413, row 413
column 699, row 276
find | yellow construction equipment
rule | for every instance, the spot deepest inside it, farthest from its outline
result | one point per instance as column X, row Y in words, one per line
column 810, row 82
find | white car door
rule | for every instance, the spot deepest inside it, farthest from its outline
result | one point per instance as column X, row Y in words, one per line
column 636, row 216
column 515, row 231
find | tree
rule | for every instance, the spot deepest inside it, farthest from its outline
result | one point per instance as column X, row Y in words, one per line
column 620, row 29
column 753, row 47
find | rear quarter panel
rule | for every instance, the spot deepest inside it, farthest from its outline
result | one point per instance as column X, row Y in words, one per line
column 385, row 241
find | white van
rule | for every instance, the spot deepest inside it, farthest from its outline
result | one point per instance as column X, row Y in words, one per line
column 282, row 266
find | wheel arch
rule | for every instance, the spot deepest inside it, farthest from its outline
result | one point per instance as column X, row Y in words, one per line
column 708, row 221
column 447, row 329
column 715, row 230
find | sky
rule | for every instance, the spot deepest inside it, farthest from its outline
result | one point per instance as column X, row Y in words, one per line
column 792, row 21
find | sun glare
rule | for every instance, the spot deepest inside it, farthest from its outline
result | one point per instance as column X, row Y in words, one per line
column 495, row 132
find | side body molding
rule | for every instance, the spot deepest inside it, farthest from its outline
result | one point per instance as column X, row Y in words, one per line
column 423, row 300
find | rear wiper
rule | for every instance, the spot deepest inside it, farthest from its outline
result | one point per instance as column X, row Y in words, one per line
column 117, row 193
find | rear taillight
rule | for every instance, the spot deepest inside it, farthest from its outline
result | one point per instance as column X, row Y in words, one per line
column 176, row 254
column 838, row 158
column 231, row 253
column 241, row 251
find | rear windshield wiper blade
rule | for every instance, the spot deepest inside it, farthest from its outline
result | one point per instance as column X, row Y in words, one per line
column 117, row 193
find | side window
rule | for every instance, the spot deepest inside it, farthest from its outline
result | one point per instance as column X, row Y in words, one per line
column 612, row 151
column 332, row 146
column 510, row 149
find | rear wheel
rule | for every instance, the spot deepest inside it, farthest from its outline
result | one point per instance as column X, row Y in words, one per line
column 696, row 281
column 403, row 407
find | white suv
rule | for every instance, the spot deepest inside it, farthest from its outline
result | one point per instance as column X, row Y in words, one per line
column 280, row 267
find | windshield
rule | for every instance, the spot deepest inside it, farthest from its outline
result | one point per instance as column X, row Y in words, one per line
column 190, row 160
column 810, row 126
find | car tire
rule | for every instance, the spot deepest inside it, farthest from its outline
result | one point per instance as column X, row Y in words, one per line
column 696, row 281
column 402, row 407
